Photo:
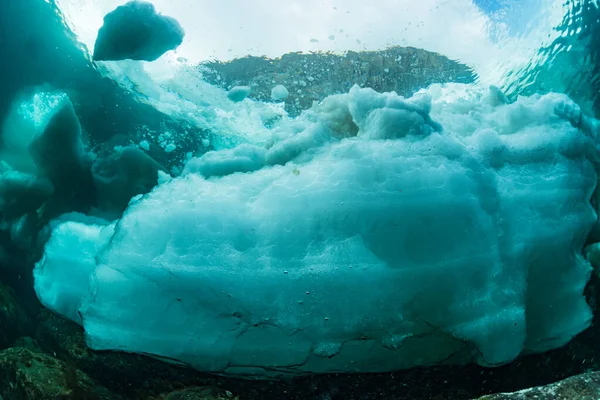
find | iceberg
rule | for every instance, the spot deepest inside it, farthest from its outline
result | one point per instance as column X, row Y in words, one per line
column 373, row 233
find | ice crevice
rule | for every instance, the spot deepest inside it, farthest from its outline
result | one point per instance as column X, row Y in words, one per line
column 372, row 233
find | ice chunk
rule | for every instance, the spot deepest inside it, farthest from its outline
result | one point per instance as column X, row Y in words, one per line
column 42, row 137
column 334, row 113
column 136, row 31
column 279, row 93
column 497, row 97
column 403, row 245
column 243, row 158
column 124, row 174
column 170, row 147
column 21, row 193
column 238, row 93
column 64, row 293
column 58, row 151
column 163, row 177
column 393, row 115
column 144, row 145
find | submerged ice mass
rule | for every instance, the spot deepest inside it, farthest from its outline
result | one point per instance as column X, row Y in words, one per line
column 372, row 233
column 135, row 31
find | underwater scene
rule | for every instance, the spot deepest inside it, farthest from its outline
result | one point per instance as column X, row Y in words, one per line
column 285, row 199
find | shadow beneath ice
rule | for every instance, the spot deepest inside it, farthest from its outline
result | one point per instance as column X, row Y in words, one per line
column 139, row 377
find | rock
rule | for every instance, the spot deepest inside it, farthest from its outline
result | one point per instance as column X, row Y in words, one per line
column 312, row 77
column 59, row 151
column 14, row 322
column 139, row 377
column 28, row 343
column 26, row 375
column 132, row 376
column 136, row 31
column 198, row 393
column 580, row 387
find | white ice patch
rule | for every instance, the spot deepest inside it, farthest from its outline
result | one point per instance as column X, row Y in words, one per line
column 279, row 93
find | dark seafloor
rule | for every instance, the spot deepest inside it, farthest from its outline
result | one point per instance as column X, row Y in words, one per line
column 45, row 357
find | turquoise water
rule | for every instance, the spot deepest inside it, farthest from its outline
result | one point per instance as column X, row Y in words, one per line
column 301, row 200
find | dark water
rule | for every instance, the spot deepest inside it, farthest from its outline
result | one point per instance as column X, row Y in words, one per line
column 45, row 357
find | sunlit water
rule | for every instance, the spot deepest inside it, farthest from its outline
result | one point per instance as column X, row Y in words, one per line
column 508, row 43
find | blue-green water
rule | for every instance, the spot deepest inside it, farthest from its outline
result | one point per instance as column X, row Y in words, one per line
column 370, row 222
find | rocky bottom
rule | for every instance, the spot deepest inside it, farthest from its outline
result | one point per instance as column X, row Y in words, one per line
column 45, row 357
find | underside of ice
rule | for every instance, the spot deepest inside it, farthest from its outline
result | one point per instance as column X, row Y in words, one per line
column 373, row 233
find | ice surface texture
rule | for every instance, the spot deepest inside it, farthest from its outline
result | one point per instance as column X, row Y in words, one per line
column 136, row 31
column 374, row 233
